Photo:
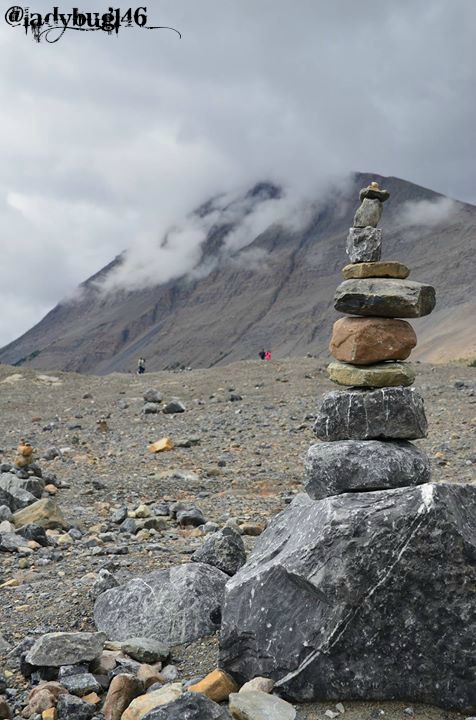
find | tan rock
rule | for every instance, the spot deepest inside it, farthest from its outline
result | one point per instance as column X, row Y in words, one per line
column 51, row 489
column 49, row 714
column 122, row 691
column 389, row 269
column 65, row 540
column 161, row 445
column 43, row 697
column 43, row 512
column 363, row 341
column 150, row 674
column 258, row 683
column 381, row 375
column 217, row 686
column 145, row 703
column 91, row 698
column 106, row 662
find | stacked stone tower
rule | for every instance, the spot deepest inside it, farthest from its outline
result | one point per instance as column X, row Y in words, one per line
column 365, row 586
column 374, row 419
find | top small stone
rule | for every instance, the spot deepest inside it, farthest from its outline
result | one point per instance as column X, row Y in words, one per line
column 373, row 192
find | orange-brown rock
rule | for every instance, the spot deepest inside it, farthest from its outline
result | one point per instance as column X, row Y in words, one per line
column 217, row 686
column 363, row 341
column 122, row 691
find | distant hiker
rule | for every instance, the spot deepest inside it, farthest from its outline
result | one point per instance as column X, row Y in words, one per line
column 262, row 354
column 141, row 366
column 267, row 355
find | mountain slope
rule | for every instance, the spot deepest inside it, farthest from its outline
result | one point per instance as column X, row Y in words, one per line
column 282, row 301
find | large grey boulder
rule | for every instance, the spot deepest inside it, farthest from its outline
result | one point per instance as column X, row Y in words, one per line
column 13, row 493
column 65, row 648
column 189, row 706
column 177, row 605
column 364, row 244
column 361, row 596
column 333, row 468
column 385, row 297
column 224, row 549
column 386, row 413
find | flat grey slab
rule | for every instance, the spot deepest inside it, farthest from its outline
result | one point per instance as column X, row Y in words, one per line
column 333, row 468
column 385, row 297
column 396, row 413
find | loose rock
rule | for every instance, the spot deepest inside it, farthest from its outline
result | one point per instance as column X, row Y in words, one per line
column 386, row 374
column 385, row 298
column 363, row 341
column 176, row 605
column 256, row 705
column 223, row 549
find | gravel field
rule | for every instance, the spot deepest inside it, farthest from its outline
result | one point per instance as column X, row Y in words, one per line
column 245, row 460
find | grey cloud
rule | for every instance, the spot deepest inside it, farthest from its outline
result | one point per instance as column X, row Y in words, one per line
column 105, row 142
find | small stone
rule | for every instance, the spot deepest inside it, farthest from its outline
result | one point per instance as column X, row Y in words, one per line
column 364, row 244
column 161, row 445
column 4, row 710
column 262, row 684
column 217, row 685
column 224, row 549
column 252, row 529
column 386, row 374
column 331, row 714
column 34, row 532
column 174, row 406
column 190, row 517
column 92, row 698
column 70, row 707
column 5, row 513
column 152, row 396
column 81, row 684
column 387, row 413
column 145, row 650
column 385, row 298
column 150, row 675
column 151, row 409
column 65, row 539
column 49, row 714
column 255, row 705
column 105, row 581
column 143, row 704
column 122, row 691
column 169, row 673
column 363, row 341
column 385, row 269
column 142, row 511
column 340, row 708
column 119, row 515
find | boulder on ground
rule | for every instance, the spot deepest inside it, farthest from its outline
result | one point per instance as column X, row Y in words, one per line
column 333, row 468
column 13, row 493
column 65, row 648
column 43, row 512
column 177, row 605
column 141, row 706
column 361, row 596
column 387, row 413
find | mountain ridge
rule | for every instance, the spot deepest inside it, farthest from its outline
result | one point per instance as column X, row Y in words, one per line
column 229, row 307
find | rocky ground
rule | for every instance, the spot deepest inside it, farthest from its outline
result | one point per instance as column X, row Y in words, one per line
column 247, row 427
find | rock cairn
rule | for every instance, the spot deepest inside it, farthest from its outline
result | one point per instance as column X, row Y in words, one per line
column 365, row 586
column 374, row 419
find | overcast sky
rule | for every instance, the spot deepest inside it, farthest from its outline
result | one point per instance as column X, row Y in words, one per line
column 105, row 141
